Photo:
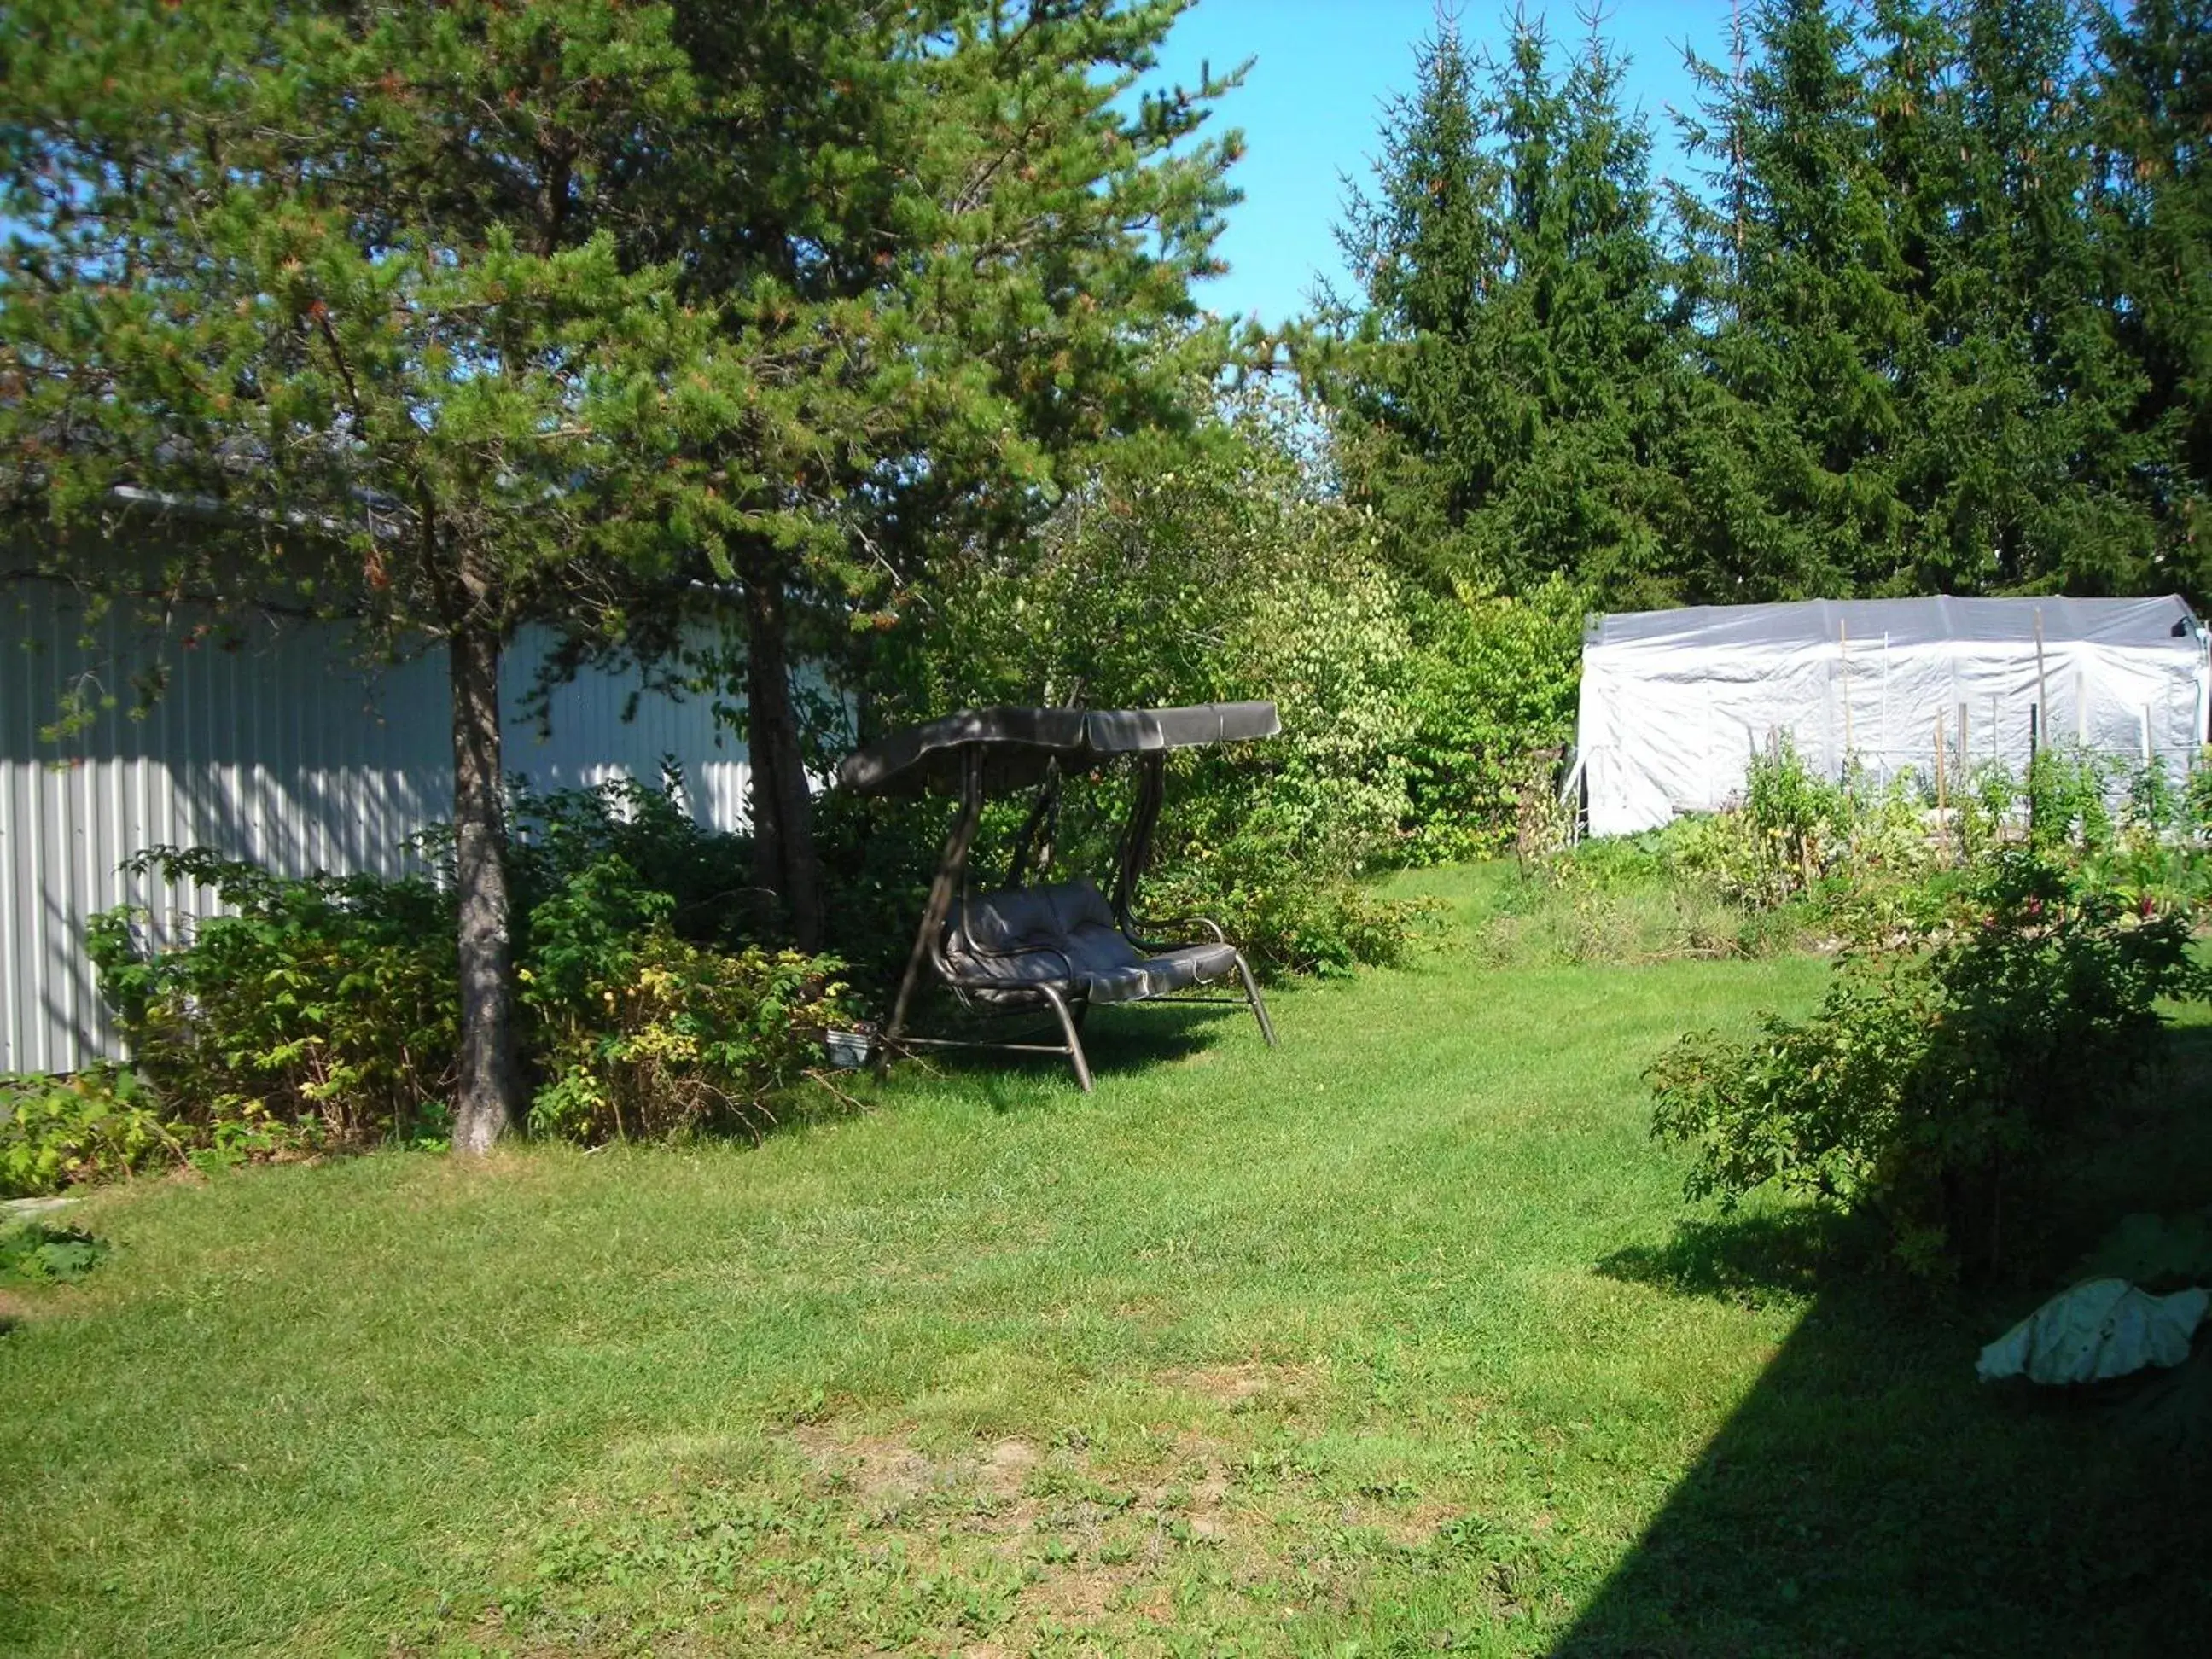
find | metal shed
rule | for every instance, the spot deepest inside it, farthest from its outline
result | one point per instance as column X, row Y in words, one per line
column 1675, row 703
column 270, row 747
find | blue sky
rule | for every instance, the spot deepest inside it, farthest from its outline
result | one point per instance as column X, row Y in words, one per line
column 1310, row 107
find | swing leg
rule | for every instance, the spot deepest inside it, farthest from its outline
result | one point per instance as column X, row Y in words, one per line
column 951, row 868
column 1252, row 996
column 1067, row 1029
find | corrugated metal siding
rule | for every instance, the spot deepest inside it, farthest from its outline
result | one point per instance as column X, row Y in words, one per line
column 275, row 749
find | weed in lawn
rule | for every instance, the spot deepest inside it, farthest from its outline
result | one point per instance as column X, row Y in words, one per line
column 31, row 1252
column 1599, row 909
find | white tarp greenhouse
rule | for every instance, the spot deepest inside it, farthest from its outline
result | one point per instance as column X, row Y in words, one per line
column 1673, row 702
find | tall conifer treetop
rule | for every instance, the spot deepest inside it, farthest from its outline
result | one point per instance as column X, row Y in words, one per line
column 1501, row 385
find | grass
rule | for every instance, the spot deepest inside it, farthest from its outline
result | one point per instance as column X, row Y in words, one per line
column 1386, row 1342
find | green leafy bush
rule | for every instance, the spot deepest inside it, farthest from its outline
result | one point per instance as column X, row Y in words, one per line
column 322, row 1011
column 666, row 1039
column 2154, row 804
column 1798, row 820
column 96, row 1125
column 878, row 856
column 1285, row 918
column 638, row 1033
column 1490, row 684
column 1987, row 811
column 704, row 873
column 1962, row 1047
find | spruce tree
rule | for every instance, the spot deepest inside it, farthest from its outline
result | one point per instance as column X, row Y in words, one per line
column 2154, row 123
column 2028, row 455
column 1588, row 328
column 1502, row 385
column 1730, row 544
column 1425, row 414
column 1807, row 300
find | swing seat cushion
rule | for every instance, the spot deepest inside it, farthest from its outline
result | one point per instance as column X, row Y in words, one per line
column 1064, row 936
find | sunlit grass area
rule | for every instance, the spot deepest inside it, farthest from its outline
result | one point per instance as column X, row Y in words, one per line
column 1389, row 1341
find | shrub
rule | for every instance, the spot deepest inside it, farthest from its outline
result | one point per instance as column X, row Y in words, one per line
column 1987, row 811
column 96, row 1124
column 640, row 1034
column 1272, row 839
column 668, row 1039
column 2154, row 807
column 1799, row 820
column 323, row 1011
column 1286, row 919
column 1491, row 685
column 646, row 1011
column 1195, row 572
column 704, row 873
column 878, row 856
column 1961, row 1047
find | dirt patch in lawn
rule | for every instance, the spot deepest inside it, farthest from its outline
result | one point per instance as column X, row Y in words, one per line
column 1096, row 1545
column 1245, row 1383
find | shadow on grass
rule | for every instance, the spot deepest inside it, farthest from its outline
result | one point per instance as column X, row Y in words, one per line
column 1749, row 1260
column 1118, row 1042
column 1871, row 1497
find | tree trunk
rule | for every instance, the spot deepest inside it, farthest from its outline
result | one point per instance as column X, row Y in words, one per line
column 487, row 1101
column 783, row 831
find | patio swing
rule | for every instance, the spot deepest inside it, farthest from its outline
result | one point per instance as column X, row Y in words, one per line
column 1063, row 947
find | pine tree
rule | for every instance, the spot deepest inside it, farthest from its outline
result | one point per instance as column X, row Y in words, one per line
column 486, row 313
column 343, row 273
column 955, row 265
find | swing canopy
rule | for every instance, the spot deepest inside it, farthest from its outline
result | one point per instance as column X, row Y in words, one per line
column 1017, row 745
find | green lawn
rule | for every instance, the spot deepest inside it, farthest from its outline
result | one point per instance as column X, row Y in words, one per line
column 1386, row 1342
